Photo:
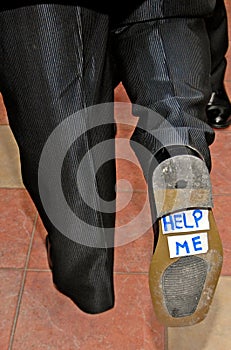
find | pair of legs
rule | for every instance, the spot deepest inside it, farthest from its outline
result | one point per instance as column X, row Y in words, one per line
column 219, row 107
column 57, row 60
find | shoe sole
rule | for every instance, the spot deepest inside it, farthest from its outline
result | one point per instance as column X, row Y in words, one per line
column 217, row 126
column 187, row 261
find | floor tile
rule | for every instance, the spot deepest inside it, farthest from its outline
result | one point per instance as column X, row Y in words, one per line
column 133, row 218
column 38, row 255
column 9, row 291
column 228, row 71
column 124, row 150
column 228, row 89
column 17, row 217
column 120, row 94
column 221, row 146
column 135, row 256
column 123, row 111
column 134, row 227
column 222, row 217
column 3, row 113
column 49, row 320
column 124, row 130
column 10, row 174
column 214, row 332
column 220, row 154
column 129, row 176
column 128, row 166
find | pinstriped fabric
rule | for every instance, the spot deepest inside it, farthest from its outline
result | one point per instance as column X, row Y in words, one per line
column 217, row 27
column 171, row 74
column 50, row 69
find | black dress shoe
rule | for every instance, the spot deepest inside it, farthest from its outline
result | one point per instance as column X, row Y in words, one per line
column 219, row 110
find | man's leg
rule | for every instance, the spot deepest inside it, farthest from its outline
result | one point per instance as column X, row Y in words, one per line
column 53, row 64
column 164, row 74
column 165, row 68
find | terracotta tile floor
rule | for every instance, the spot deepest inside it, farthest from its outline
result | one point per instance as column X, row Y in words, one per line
column 34, row 315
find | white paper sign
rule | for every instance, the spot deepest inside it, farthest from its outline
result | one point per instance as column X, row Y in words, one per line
column 190, row 244
column 186, row 221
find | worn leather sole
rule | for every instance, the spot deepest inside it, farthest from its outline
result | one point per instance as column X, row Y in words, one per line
column 188, row 255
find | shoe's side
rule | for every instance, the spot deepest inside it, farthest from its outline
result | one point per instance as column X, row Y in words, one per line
column 188, row 255
column 219, row 110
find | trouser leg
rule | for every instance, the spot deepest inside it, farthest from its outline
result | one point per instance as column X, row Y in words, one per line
column 165, row 68
column 51, row 69
column 217, row 27
column 219, row 106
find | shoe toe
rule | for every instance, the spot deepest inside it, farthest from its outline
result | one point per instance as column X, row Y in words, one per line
column 219, row 110
column 219, row 117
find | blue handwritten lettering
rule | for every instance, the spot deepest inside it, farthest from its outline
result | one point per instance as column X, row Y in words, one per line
column 183, row 246
column 197, row 214
column 185, row 222
column 178, row 220
column 196, row 241
column 166, row 222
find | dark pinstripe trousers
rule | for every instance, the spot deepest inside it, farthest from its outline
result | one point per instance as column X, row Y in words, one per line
column 55, row 61
column 217, row 27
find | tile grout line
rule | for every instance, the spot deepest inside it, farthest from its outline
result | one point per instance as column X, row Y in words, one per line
column 221, row 194
column 22, row 286
column 165, row 338
column 23, row 268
